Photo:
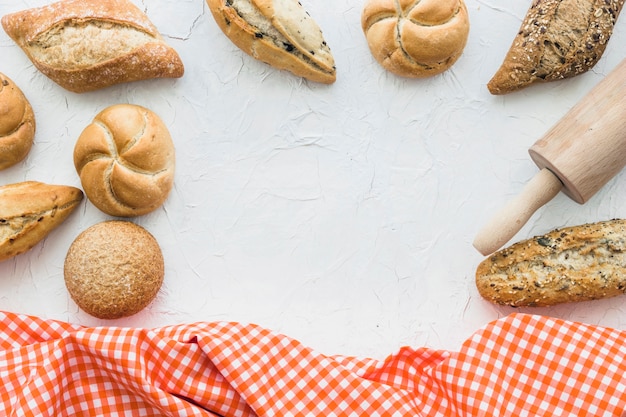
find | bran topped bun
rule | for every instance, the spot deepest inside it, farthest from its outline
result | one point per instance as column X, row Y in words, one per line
column 17, row 124
column 125, row 159
column 278, row 32
column 416, row 39
column 114, row 269
column 85, row 45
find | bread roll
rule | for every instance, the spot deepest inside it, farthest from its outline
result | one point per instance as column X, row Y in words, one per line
column 579, row 263
column 85, row 45
column 125, row 159
column 278, row 32
column 415, row 39
column 558, row 39
column 17, row 124
column 29, row 211
column 114, row 269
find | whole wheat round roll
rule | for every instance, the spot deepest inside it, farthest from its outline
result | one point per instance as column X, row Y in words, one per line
column 415, row 39
column 125, row 159
column 114, row 269
column 17, row 123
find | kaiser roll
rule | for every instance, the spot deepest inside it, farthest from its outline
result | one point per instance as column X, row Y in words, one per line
column 415, row 39
column 125, row 159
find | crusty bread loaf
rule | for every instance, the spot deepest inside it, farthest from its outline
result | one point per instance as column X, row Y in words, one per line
column 114, row 269
column 416, row 39
column 579, row 263
column 85, row 45
column 278, row 32
column 29, row 211
column 17, row 123
column 125, row 159
column 558, row 39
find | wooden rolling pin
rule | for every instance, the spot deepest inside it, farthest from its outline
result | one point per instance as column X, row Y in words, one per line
column 578, row 155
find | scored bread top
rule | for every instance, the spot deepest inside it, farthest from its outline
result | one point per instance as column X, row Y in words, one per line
column 84, row 45
column 577, row 263
column 280, row 33
column 557, row 39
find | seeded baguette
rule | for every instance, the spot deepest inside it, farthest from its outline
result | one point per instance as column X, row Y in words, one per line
column 558, row 39
column 86, row 45
column 29, row 211
column 278, row 32
column 579, row 263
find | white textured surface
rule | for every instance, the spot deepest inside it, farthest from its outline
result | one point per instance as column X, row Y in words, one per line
column 340, row 215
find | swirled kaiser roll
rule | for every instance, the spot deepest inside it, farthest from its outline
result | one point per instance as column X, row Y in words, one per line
column 415, row 39
column 125, row 159
column 85, row 45
column 17, row 124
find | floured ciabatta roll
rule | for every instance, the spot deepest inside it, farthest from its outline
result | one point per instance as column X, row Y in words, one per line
column 17, row 124
column 85, row 45
column 125, row 159
column 416, row 38
column 278, row 32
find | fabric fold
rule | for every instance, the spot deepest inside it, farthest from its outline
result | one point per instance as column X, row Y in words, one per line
column 518, row 365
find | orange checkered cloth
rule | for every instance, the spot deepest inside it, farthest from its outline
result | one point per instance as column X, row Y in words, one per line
column 521, row 365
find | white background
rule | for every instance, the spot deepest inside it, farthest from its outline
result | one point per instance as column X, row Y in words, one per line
column 340, row 215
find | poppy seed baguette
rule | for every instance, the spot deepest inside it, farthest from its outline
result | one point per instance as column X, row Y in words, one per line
column 578, row 263
column 278, row 32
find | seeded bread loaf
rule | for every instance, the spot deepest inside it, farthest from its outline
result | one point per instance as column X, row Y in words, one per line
column 558, row 39
column 85, row 45
column 415, row 39
column 579, row 263
column 278, row 32
column 17, row 124
column 29, row 211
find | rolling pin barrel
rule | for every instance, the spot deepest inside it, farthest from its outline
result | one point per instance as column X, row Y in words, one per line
column 578, row 155
column 587, row 147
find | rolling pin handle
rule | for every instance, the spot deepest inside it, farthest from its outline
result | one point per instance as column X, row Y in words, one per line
column 542, row 188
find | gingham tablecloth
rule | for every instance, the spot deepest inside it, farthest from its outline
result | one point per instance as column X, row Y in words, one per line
column 521, row 365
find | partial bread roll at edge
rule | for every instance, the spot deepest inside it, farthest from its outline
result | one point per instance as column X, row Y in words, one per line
column 29, row 211
column 578, row 263
column 85, row 45
column 558, row 39
column 17, row 123
column 278, row 32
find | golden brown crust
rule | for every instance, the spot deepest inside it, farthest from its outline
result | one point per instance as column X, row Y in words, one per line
column 29, row 211
column 114, row 269
column 85, row 45
column 17, row 123
column 421, row 39
column 579, row 263
column 126, row 159
column 279, row 33
column 558, row 39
